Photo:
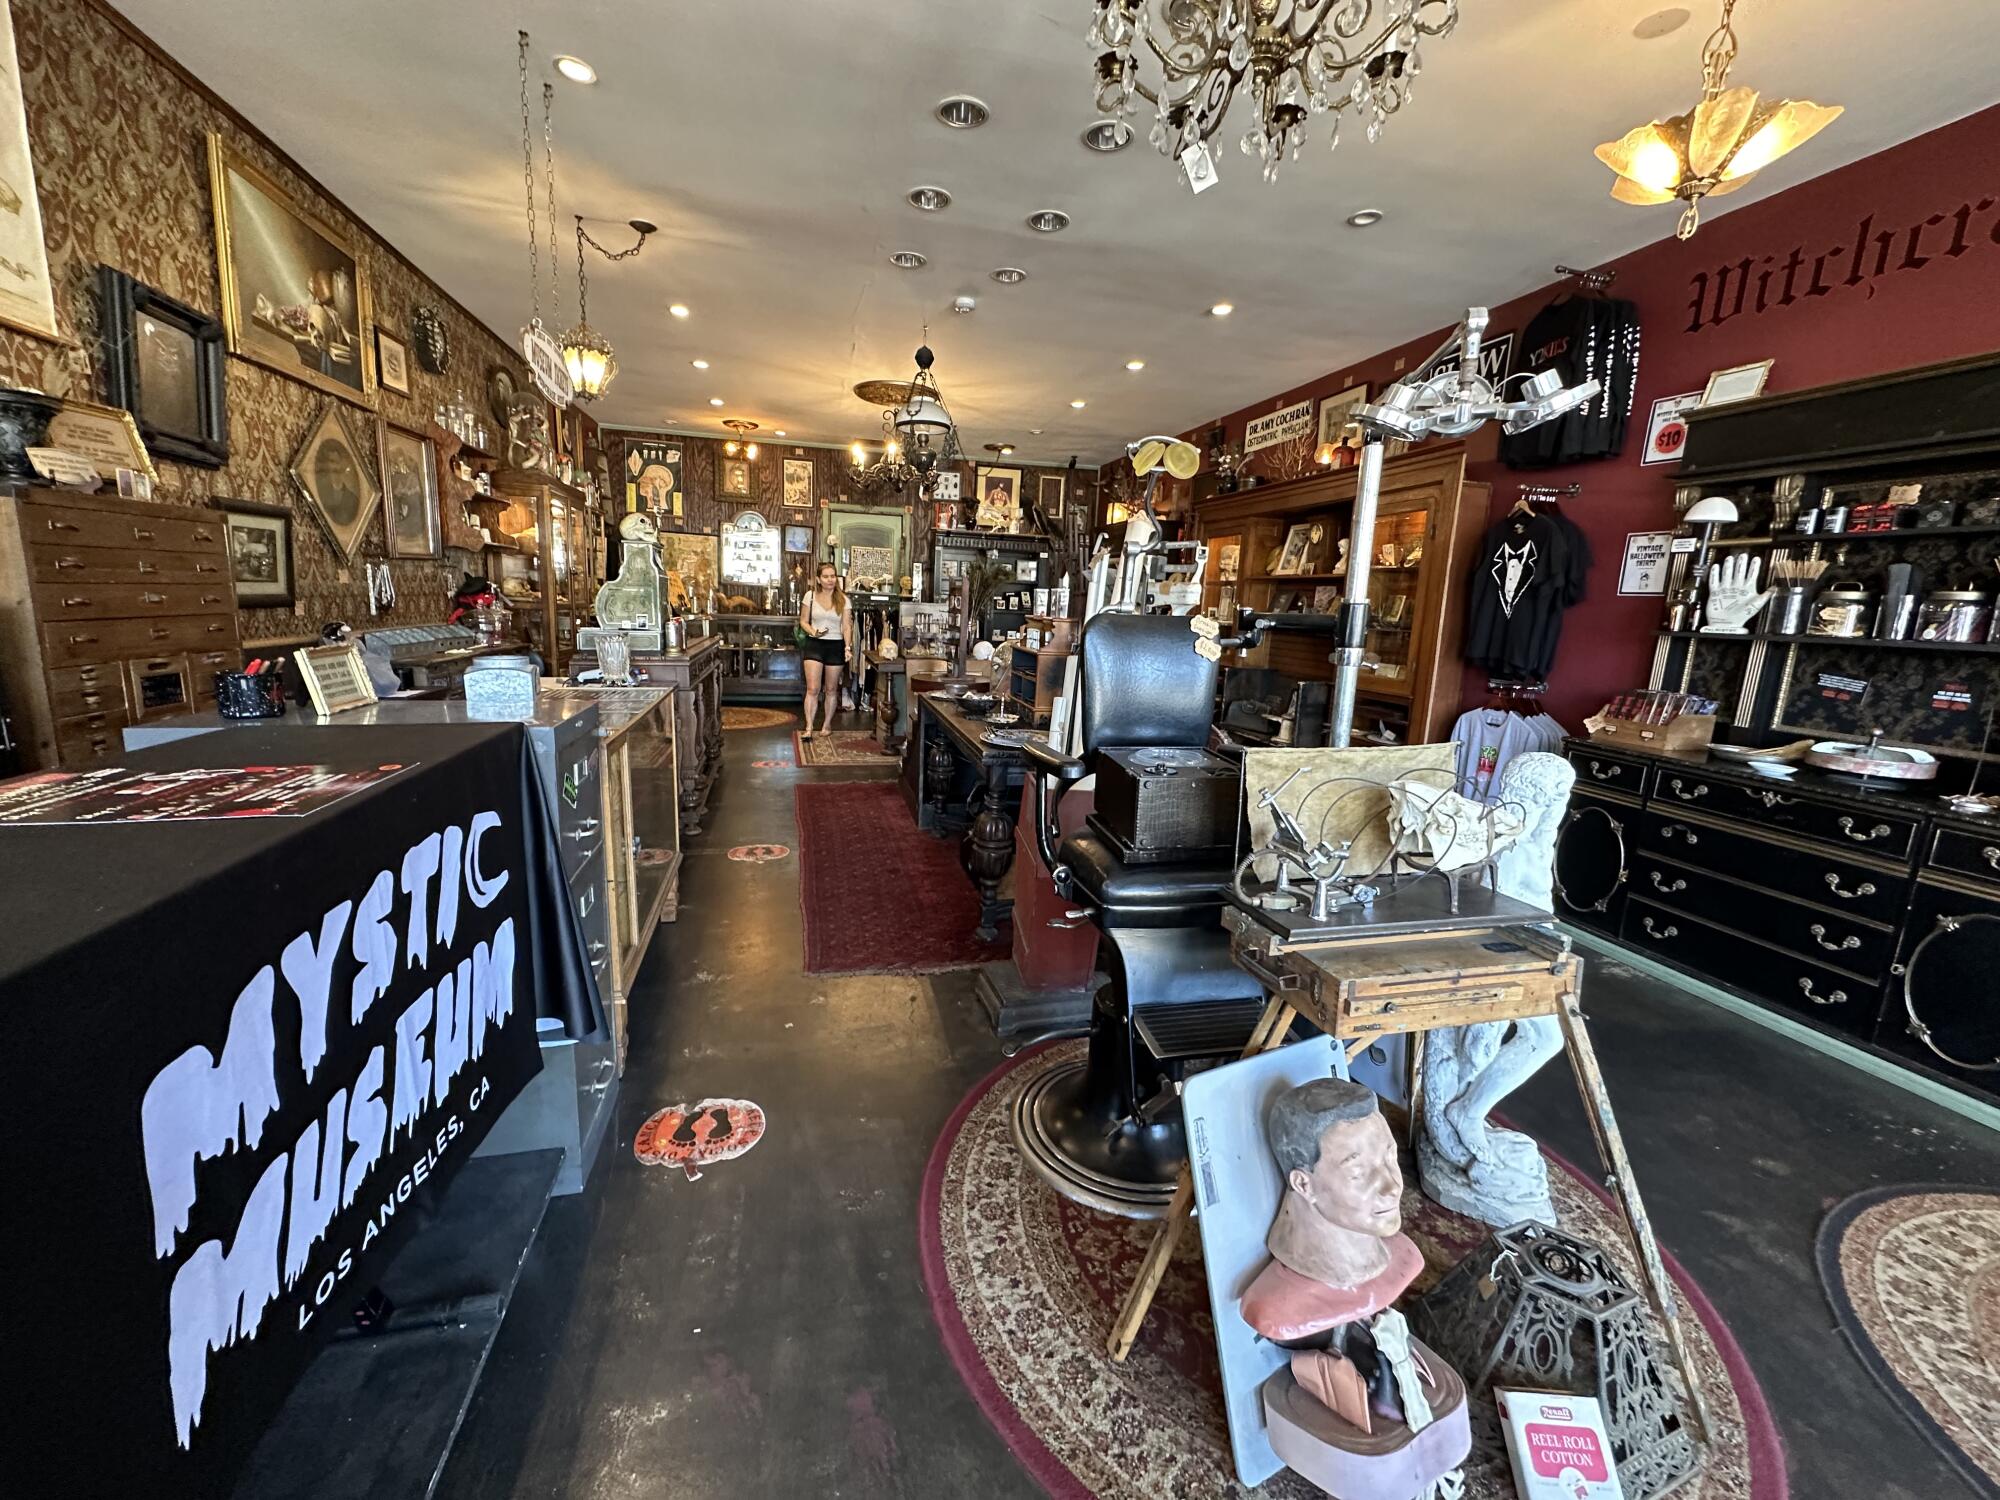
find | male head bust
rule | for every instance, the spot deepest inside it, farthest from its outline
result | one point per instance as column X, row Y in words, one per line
column 1343, row 1186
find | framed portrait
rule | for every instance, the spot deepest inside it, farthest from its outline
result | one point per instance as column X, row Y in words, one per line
column 27, row 296
column 1334, row 426
column 653, row 479
column 797, row 479
column 392, row 362
column 164, row 362
column 1049, row 495
column 409, row 493
column 798, row 538
column 105, row 435
column 1739, row 383
column 693, row 559
column 1292, row 559
column 260, row 552
column 736, row 477
column 332, row 472
column 999, row 495
column 294, row 294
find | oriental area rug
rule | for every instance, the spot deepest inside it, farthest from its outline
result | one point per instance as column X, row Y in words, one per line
column 879, row 895
column 840, row 747
column 736, row 716
column 1914, row 1277
column 1025, row 1285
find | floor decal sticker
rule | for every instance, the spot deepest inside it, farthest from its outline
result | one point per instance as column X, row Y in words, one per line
column 759, row 854
column 693, row 1136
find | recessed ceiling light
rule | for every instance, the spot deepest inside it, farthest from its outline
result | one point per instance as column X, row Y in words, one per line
column 1363, row 217
column 715, row 401
column 1135, row 364
column 1010, row 275
column 780, row 432
column 1661, row 23
column 963, row 304
column 679, row 310
column 576, row 70
column 963, row 112
column 1076, row 405
column 908, row 260
column 699, row 364
column 1048, row 221
column 930, row 199
column 1107, row 135
column 1222, row 309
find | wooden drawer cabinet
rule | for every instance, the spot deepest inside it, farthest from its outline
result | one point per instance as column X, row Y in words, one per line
column 1976, row 855
column 1597, row 772
column 1887, row 835
column 120, row 611
column 1847, row 942
column 1873, row 893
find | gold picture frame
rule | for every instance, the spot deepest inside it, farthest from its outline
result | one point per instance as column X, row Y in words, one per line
column 106, row 435
column 1737, row 383
column 309, row 315
column 736, row 477
column 27, row 295
column 336, row 678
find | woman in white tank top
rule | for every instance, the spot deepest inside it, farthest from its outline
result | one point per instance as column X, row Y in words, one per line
column 829, row 627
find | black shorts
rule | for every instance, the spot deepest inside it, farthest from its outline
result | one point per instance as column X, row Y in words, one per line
column 826, row 653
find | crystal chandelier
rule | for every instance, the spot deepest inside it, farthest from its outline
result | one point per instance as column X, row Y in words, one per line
column 1715, row 147
column 587, row 354
column 1297, row 58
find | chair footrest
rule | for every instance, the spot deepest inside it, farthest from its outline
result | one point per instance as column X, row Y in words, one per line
column 1203, row 1028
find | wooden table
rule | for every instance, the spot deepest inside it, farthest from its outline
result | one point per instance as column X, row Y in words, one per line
column 953, row 773
column 1359, row 988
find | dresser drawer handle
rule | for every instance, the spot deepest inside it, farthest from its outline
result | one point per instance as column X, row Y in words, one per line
column 1866, row 888
column 1664, row 886
column 146, row 567
column 68, row 562
column 1681, row 828
column 1775, row 799
column 64, row 526
column 214, row 629
column 76, row 601
column 1659, row 932
column 1838, row 997
column 81, row 640
column 153, row 599
column 140, row 534
column 1991, row 854
column 1879, row 831
column 203, row 534
column 90, row 700
column 211, row 598
column 1601, row 774
column 1819, row 936
column 159, row 632
column 1700, row 790
column 201, row 567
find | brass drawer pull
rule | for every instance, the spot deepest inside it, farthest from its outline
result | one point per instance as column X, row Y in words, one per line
column 1774, row 799
column 1838, row 997
column 140, row 534
column 215, row 628
column 1991, row 854
column 1659, row 932
column 202, row 567
column 159, row 632
column 1879, row 831
column 1661, row 885
column 75, row 601
column 68, row 562
column 203, row 534
column 1681, row 828
column 1700, row 790
column 152, row 598
column 1819, row 936
column 146, row 567
column 64, row 526
column 1866, row 888
column 1601, row 774
column 81, row 640
column 211, row 598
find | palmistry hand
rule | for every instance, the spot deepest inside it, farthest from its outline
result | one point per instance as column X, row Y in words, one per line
column 1733, row 595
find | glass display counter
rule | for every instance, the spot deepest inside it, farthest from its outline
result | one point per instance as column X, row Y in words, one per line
column 760, row 657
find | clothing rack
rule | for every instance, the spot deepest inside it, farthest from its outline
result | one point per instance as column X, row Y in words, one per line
column 1589, row 281
column 1515, row 695
column 1535, row 494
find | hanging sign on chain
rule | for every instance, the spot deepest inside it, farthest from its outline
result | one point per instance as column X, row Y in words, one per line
column 545, row 365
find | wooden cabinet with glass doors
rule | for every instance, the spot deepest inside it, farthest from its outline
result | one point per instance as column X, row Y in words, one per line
column 557, row 547
column 1282, row 546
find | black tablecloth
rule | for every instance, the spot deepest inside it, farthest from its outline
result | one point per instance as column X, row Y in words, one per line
column 242, row 1057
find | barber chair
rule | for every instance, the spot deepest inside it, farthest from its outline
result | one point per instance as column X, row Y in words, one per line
column 1107, row 1131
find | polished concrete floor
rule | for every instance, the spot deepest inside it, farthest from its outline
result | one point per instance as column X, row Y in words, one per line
column 764, row 1332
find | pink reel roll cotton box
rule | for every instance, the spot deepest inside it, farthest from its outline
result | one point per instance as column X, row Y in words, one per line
column 1558, row 1446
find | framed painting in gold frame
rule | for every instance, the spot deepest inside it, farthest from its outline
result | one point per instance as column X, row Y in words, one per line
column 408, row 465
column 294, row 292
column 106, row 435
column 27, row 295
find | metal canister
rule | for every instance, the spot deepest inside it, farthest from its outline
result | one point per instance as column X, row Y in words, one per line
column 673, row 635
column 1844, row 612
column 1954, row 615
column 1833, row 520
column 1786, row 613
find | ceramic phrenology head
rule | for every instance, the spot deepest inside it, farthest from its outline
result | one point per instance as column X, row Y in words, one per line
column 1338, row 1155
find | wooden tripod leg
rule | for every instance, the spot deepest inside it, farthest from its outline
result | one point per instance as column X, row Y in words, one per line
column 1611, row 1152
column 1416, row 1056
column 1269, row 1033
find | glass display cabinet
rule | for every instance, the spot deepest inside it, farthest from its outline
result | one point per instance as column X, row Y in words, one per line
column 760, row 657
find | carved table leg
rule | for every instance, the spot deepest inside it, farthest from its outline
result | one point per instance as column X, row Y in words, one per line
column 939, row 763
column 988, row 851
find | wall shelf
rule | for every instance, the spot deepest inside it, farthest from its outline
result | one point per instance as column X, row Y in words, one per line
column 1792, row 539
column 1975, row 648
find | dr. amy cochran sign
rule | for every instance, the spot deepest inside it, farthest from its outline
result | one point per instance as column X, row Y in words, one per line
column 1280, row 426
column 393, row 1012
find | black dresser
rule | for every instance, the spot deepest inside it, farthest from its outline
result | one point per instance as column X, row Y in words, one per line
column 1870, row 914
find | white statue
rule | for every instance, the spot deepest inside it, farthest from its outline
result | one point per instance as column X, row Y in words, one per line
column 1733, row 595
column 1497, row 1176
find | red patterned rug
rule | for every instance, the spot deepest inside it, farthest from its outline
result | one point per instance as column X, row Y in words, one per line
column 840, row 747
column 879, row 895
column 736, row 716
column 1025, row 1285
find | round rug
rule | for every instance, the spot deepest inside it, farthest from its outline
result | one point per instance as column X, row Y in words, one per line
column 735, row 716
column 1914, row 1277
column 1025, row 1285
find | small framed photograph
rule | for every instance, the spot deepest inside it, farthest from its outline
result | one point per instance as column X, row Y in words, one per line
column 392, row 362
column 1334, row 426
column 1292, row 559
column 797, row 482
column 736, row 476
column 336, row 678
column 1049, row 495
column 260, row 552
column 798, row 538
column 1740, row 383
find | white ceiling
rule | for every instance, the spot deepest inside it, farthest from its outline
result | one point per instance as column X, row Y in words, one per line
column 774, row 140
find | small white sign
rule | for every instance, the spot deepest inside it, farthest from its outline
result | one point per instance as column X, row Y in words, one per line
column 1644, row 570
column 1666, row 428
column 545, row 365
column 1685, row 544
column 1281, row 426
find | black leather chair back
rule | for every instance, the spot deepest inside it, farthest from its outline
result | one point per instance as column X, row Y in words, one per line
column 1143, row 684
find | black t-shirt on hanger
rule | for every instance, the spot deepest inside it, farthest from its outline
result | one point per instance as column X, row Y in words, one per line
column 1528, row 570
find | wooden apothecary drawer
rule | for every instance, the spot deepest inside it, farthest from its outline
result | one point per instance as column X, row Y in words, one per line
column 1865, row 891
column 100, row 565
column 128, row 601
column 74, row 642
column 87, row 740
column 57, row 526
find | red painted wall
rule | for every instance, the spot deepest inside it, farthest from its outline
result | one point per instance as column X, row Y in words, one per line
column 1889, row 262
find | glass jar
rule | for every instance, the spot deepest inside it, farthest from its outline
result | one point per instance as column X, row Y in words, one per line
column 1844, row 612
column 1954, row 615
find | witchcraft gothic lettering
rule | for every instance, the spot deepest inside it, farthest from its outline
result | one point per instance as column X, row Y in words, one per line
column 1756, row 284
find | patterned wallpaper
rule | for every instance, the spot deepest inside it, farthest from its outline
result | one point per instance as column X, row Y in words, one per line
column 119, row 138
